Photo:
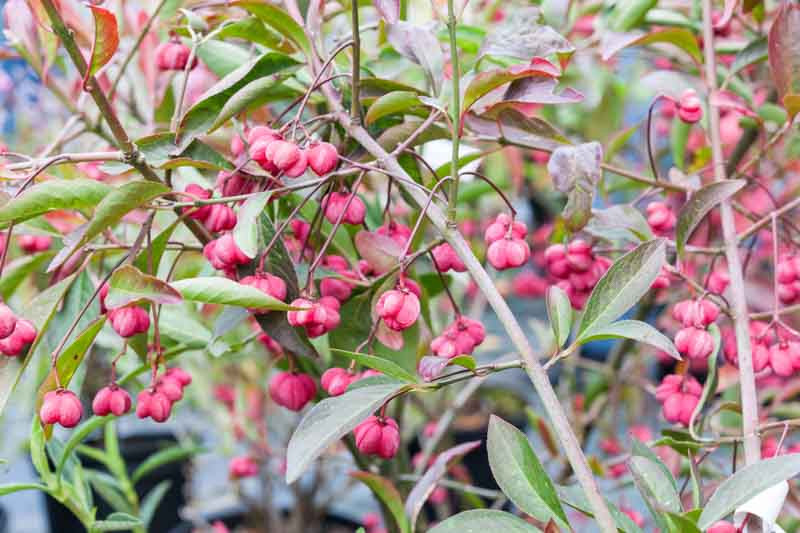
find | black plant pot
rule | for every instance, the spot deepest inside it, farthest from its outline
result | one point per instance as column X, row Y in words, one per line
column 135, row 449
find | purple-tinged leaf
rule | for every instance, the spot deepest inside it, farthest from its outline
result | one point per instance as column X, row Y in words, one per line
column 513, row 127
column 420, row 45
column 427, row 483
column 389, row 10
column 522, row 36
column 727, row 14
column 728, row 100
column 381, row 252
column 431, row 367
column 784, row 56
column 571, row 166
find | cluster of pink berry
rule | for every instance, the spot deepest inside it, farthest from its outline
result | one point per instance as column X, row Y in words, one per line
column 507, row 247
column 242, row 466
column 459, row 338
column 316, row 317
column 277, row 156
column 225, row 255
column 268, row 284
column 399, row 308
column 173, row 55
column 156, row 402
column 679, row 396
column 690, row 109
column 379, row 436
column 576, row 268
column 215, row 217
column 334, row 286
column 292, row 390
column 336, row 380
column 788, row 273
column 127, row 320
column 661, row 218
column 15, row 333
column 348, row 207
column 445, row 258
column 34, row 243
column 694, row 341
column 783, row 356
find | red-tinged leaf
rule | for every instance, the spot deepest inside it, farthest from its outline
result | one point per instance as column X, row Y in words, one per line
column 381, row 252
column 727, row 14
column 106, row 39
column 784, row 56
column 728, row 100
column 128, row 284
column 613, row 42
column 487, row 81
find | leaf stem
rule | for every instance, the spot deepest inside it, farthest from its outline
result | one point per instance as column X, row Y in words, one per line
column 455, row 113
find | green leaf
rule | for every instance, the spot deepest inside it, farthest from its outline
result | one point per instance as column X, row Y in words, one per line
column 484, row 521
column 280, row 21
column 379, row 363
column 574, row 497
column 40, row 311
column 330, row 420
column 628, row 279
column 619, row 222
column 9, row 488
column 485, row 82
column 628, row 14
column 658, row 492
column 115, row 205
column 77, row 436
column 116, row 522
column 128, row 284
column 681, row 523
column 745, row 484
column 38, row 455
column 386, row 492
column 464, row 361
column 520, row 475
column 754, row 52
column 698, row 206
column 106, row 39
column 53, row 195
column 391, row 103
column 107, row 487
column 152, row 500
column 18, row 271
column 634, row 330
column 559, row 311
column 640, row 449
column 222, row 58
column 162, row 457
column 253, row 30
column 680, row 37
column 160, row 151
column 245, row 233
column 202, row 115
column 254, row 94
column 218, row 290
column 678, row 138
